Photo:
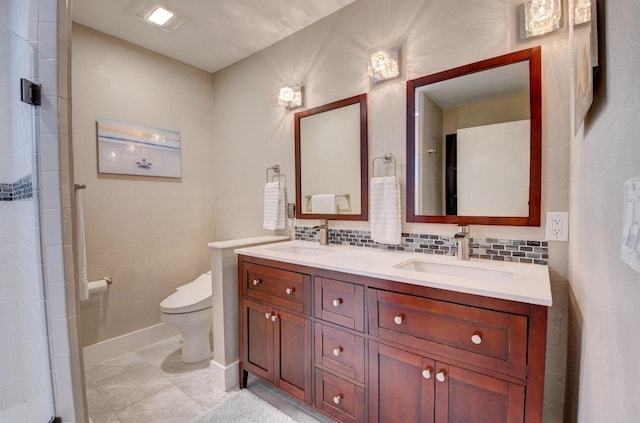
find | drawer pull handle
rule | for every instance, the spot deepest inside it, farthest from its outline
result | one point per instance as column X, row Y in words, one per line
column 441, row 376
column 337, row 351
column 476, row 338
column 337, row 399
column 274, row 317
column 398, row 319
column 426, row 373
column 257, row 282
column 267, row 315
column 289, row 291
column 337, row 302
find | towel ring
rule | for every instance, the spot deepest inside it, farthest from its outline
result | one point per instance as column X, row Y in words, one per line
column 276, row 173
column 385, row 159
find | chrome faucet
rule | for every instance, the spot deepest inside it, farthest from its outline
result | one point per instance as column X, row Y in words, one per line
column 462, row 242
column 323, row 227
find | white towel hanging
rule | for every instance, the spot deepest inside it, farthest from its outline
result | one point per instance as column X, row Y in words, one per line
column 82, row 249
column 386, row 225
column 324, row 204
column 274, row 206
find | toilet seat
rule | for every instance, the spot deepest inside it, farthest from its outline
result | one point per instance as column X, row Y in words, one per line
column 191, row 297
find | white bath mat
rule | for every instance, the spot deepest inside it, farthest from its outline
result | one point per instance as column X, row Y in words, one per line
column 243, row 407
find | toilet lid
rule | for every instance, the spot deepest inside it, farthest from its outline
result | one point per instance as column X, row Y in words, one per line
column 193, row 296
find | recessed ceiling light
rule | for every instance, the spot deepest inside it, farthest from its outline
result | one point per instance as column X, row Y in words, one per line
column 154, row 13
column 160, row 16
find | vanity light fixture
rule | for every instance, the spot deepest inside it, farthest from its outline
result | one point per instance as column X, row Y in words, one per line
column 290, row 96
column 541, row 17
column 581, row 11
column 384, row 64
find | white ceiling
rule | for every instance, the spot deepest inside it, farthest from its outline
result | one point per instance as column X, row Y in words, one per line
column 216, row 33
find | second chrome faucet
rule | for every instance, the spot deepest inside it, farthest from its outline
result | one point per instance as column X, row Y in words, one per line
column 323, row 228
column 462, row 238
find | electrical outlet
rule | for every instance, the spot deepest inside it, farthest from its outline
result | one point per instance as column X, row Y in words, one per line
column 557, row 227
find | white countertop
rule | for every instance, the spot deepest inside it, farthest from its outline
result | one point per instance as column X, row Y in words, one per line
column 529, row 283
column 243, row 242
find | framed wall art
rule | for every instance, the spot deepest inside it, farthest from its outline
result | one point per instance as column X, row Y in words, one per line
column 133, row 149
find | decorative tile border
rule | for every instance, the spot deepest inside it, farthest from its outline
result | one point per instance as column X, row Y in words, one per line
column 22, row 189
column 6, row 192
column 512, row 250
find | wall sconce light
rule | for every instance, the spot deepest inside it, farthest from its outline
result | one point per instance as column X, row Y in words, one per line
column 290, row 96
column 541, row 17
column 384, row 64
column 581, row 11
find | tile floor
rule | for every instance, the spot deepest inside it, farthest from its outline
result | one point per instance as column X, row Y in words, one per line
column 153, row 385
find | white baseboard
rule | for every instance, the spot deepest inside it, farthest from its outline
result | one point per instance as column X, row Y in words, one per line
column 111, row 348
column 225, row 378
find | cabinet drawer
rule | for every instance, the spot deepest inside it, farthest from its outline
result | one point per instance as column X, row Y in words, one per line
column 485, row 338
column 340, row 302
column 340, row 351
column 339, row 398
column 283, row 288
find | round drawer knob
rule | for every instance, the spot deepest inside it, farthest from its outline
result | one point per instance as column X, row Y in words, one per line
column 267, row 315
column 337, row 399
column 256, row 282
column 426, row 373
column 476, row 338
column 441, row 376
column 274, row 317
column 337, row 351
column 337, row 302
column 398, row 319
column 289, row 291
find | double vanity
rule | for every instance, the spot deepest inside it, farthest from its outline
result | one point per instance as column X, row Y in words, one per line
column 365, row 335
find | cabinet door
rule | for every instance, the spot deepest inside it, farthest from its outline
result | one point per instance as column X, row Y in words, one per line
column 293, row 355
column 463, row 396
column 401, row 387
column 257, row 339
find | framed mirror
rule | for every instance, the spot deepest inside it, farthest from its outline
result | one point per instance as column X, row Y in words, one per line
column 474, row 143
column 331, row 161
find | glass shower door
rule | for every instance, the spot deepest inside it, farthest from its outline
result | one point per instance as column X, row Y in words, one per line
column 25, row 367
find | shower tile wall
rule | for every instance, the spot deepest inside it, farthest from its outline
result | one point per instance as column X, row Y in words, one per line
column 44, row 24
column 23, row 396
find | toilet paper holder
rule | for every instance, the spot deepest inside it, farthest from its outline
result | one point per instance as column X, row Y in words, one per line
column 99, row 286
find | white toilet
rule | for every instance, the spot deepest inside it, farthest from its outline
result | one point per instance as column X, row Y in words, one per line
column 189, row 310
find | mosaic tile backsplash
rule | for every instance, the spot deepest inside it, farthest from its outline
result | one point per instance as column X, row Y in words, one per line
column 21, row 189
column 513, row 250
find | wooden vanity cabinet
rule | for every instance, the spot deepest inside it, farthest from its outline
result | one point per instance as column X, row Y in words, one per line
column 429, row 391
column 275, row 336
column 369, row 350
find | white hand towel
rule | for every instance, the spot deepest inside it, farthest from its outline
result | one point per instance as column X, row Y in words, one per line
column 82, row 249
column 274, row 206
column 386, row 225
column 324, row 203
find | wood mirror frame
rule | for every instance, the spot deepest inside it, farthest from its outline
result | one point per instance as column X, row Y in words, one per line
column 533, row 56
column 330, row 167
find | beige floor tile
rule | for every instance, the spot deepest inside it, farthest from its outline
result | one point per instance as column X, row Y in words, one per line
column 127, row 381
column 99, row 409
column 154, row 385
column 170, row 405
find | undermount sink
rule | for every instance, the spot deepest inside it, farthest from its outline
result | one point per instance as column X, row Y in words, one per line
column 457, row 270
column 300, row 250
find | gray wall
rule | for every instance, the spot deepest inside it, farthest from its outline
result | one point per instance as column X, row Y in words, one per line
column 605, row 293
